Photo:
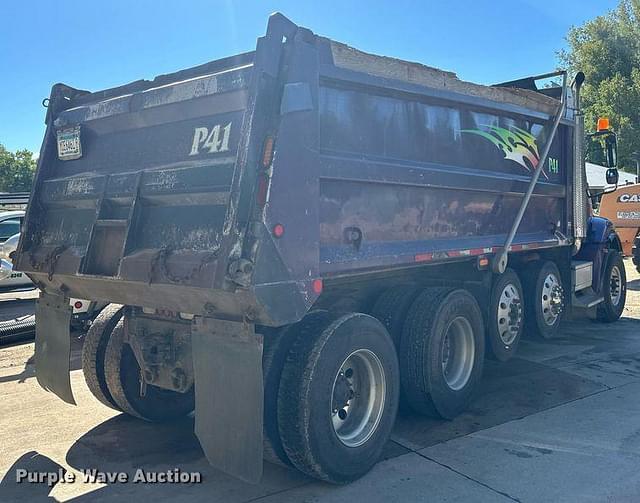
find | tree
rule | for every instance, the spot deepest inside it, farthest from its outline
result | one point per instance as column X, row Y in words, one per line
column 607, row 50
column 16, row 170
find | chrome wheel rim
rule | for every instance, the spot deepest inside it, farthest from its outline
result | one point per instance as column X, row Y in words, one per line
column 615, row 285
column 358, row 397
column 458, row 353
column 552, row 299
column 509, row 314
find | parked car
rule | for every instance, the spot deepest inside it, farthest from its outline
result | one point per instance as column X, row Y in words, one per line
column 10, row 224
column 84, row 311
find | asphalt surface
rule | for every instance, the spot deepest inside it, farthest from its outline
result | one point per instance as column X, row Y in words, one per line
column 559, row 423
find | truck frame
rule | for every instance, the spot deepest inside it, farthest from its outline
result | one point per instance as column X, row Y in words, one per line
column 293, row 238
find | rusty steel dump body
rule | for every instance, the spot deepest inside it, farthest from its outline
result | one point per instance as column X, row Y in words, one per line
column 219, row 201
column 379, row 164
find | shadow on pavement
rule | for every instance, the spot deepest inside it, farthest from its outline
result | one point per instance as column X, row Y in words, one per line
column 29, row 369
column 633, row 285
column 123, row 438
column 125, row 444
column 35, row 463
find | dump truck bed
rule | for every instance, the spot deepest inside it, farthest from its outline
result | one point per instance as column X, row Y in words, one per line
column 240, row 187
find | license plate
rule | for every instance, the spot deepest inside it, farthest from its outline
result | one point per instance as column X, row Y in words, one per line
column 69, row 146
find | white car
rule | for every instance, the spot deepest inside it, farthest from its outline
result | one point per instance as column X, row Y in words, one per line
column 10, row 279
column 84, row 311
column 10, row 223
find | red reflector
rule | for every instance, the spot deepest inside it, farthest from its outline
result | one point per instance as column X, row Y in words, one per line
column 423, row 257
column 317, row 286
column 278, row 230
column 78, row 304
column 483, row 261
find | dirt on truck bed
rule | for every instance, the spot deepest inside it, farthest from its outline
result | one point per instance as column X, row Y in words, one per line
column 562, row 416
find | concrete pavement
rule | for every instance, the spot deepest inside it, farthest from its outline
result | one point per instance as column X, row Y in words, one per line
column 561, row 422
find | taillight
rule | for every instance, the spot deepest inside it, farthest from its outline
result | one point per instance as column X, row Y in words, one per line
column 267, row 152
column 264, row 171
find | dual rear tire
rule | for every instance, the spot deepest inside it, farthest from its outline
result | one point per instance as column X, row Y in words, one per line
column 442, row 352
column 338, row 397
column 332, row 383
column 113, row 374
column 439, row 335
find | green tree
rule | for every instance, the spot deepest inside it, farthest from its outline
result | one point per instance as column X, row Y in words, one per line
column 16, row 170
column 607, row 50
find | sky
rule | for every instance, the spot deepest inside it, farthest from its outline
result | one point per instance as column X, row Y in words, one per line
column 99, row 44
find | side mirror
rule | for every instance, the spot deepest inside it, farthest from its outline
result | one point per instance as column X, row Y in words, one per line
column 611, row 146
column 612, row 176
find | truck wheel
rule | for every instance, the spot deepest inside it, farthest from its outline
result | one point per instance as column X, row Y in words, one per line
column 392, row 307
column 93, row 351
column 276, row 348
column 338, row 398
column 442, row 352
column 635, row 252
column 614, row 289
column 124, row 381
column 544, row 302
column 506, row 316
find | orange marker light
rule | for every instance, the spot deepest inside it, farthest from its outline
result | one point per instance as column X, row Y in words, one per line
column 603, row 124
column 317, row 286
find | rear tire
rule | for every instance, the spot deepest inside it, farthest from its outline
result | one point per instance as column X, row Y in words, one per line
column 614, row 289
column 338, row 398
column 505, row 318
column 392, row 307
column 123, row 378
column 544, row 300
column 276, row 349
column 442, row 352
column 93, row 351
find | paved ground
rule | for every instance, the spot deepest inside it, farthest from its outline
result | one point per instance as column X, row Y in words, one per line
column 559, row 423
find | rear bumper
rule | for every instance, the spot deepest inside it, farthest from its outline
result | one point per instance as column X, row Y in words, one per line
column 272, row 304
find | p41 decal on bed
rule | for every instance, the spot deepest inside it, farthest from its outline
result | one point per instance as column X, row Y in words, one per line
column 211, row 141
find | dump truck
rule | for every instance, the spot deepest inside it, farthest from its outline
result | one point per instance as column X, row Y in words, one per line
column 294, row 239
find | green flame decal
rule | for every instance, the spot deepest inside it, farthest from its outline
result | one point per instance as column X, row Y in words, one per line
column 516, row 144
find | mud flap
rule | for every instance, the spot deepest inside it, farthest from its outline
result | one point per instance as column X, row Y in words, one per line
column 53, row 345
column 227, row 363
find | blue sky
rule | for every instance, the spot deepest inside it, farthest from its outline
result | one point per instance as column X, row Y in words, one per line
column 97, row 44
